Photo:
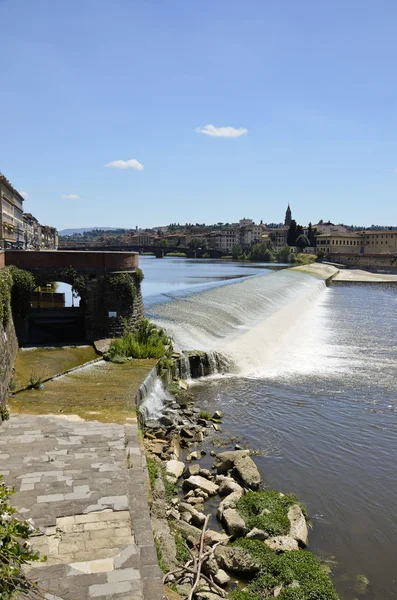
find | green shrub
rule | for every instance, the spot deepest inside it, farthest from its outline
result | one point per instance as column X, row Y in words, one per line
column 36, row 380
column 15, row 549
column 146, row 341
column 177, row 254
column 254, row 508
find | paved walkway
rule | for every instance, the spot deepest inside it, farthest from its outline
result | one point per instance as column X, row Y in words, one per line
column 82, row 483
column 359, row 276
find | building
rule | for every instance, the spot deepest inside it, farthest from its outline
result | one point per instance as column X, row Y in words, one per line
column 11, row 216
column 279, row 237
column 31, row 231
column 328, row 227
column 140, row 238
column 380, row 242
column 249, row 234
column 48, row 237
column 224, row 239
column 340, row 243
column 362, row 242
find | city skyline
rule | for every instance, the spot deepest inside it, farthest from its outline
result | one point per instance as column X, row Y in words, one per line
column 132, row 113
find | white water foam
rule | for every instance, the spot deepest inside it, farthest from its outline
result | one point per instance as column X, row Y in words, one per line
column 153, row 404
column 272, row 325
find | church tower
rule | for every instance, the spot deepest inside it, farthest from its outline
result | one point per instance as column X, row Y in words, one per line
column 288, row 216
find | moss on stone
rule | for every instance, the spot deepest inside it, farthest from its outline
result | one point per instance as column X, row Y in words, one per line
column 267, row 511
column 300, row 573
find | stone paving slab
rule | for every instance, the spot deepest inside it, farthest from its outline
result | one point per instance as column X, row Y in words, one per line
column 83, row 485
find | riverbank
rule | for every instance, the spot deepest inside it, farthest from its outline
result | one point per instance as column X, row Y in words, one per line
column 210, row 536
column 72, row 451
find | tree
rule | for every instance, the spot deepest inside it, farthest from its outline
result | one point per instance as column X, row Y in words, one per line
column 163, row 243
column 261, row 252
column 302, row 242
column 311, row 235
column 237, row 251
column 283, row 254
column 198, row 243
column 291, row 236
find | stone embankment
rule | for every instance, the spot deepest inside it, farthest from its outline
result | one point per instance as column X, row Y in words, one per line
column 256, row 527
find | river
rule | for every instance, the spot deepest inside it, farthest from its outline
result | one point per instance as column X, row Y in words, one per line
column 314, row 388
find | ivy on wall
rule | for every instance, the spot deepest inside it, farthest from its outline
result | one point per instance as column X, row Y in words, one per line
column 16, row 287
column 5, row 295
column 139, row 275
column 23, row 287
column 123, row 286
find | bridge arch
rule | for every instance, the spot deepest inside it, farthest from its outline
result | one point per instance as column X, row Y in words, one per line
column 108, row 284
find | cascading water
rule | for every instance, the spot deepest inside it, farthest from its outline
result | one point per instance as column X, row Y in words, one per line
column 184, row 367
column 155, row 402
column 255, row 324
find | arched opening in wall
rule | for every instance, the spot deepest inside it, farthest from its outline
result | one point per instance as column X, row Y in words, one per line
column 56, row 315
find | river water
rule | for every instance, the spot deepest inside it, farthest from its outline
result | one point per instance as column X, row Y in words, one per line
column 313, row 387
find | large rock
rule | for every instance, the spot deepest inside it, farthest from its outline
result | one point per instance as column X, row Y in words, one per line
column 226, row 460
column 298, row 529
column 213, row 537
column 175, row 468
column 221, row 577
column 282, row 543
column 236, row 560
column 248, row 472
column 196, row 481
column 210, row 567
column 198, row 518
column 257, row 534
column 192, row 470
column 228, row 486
column 234, row 523
column 229, row 502
column 188, row 529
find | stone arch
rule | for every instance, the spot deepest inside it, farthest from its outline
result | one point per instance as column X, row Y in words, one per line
column 104, row 310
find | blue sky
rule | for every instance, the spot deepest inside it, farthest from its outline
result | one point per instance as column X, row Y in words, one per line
column 85, row 83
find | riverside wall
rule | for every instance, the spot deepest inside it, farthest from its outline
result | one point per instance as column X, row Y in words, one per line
column 8, row 353
column 384, row 262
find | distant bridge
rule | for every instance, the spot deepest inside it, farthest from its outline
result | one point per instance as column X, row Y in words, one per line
column 158, row 251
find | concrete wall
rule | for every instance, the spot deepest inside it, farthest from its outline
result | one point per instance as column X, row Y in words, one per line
column 8, row 353
column 384, row 262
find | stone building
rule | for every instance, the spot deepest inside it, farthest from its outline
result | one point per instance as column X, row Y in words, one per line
column 11, row 216
column 340, row 243
column 362, row 242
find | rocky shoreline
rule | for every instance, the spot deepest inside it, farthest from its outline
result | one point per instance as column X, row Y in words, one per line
column 255, row 549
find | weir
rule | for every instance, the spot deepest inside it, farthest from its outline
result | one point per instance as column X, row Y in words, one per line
column 239, row 328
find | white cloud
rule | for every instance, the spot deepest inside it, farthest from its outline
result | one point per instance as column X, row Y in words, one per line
column 132, row 163
column 24, row 195
column 70, row 197
column 229, row 132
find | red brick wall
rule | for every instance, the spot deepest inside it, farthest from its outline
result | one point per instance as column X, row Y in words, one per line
column 101, row 261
